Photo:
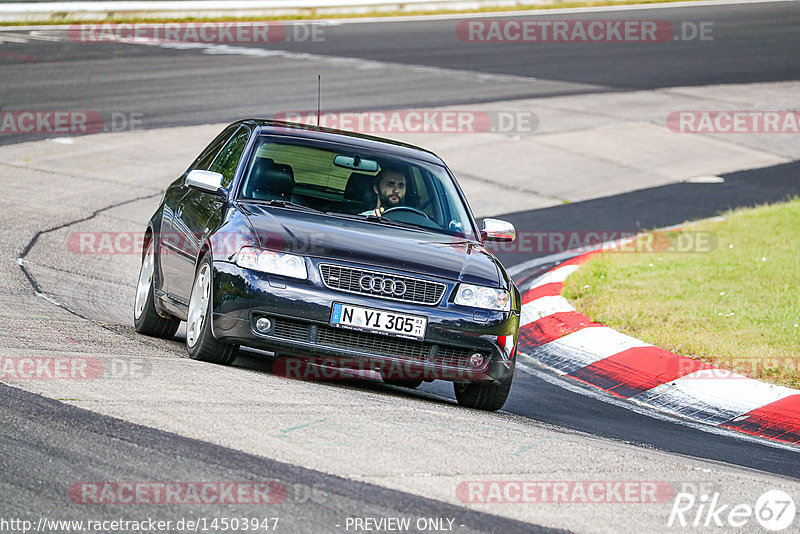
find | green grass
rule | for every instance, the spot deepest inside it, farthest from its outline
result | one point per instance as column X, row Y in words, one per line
column 735, row 307
column 312, row 14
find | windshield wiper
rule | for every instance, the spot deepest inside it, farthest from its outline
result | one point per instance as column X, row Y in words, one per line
column 377, row 219
column 283, row 204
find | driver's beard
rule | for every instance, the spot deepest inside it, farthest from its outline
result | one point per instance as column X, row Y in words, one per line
column 386, row 203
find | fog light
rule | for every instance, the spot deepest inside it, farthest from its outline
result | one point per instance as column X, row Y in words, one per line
column 477, row 360
column 263, row 325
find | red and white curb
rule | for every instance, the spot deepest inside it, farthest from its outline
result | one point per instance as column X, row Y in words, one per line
column 555, row 335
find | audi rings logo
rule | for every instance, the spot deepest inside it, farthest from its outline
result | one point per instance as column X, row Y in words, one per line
column 387, row 286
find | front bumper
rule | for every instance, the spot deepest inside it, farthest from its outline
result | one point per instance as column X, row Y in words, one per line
column 300, row 311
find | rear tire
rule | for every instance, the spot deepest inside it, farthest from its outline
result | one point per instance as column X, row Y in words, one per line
column 490, row 397
column 146, row 319
column 200, row 342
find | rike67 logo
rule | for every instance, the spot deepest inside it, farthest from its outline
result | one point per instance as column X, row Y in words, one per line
column 774, row 511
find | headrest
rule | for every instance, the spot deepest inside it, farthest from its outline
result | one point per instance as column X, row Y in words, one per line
column 271, row 177
column 358, row 184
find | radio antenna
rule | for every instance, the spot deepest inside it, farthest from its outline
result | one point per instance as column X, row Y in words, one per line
column 319, row 88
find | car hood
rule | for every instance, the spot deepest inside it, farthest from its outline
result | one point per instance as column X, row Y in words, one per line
column 372, row 244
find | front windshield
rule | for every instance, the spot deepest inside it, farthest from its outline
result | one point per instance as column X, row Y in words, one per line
column 344, row 181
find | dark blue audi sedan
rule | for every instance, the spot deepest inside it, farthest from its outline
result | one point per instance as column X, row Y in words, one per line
column 331, row 249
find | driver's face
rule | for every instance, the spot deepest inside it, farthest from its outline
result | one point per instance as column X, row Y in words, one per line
column 391, row 189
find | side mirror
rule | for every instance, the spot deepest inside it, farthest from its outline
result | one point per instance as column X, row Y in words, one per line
column 497, row 230
column 210, row 182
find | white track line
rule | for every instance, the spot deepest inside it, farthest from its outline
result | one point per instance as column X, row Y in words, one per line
column 648, row 411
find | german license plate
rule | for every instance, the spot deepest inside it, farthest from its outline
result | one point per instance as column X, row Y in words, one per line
column 374, row 320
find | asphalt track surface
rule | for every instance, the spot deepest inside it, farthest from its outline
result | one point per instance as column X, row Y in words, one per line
column 740, row 51
column 630, row 212
column 752, row 47
column 167, row 87
column 659, row 207
column 38, row 431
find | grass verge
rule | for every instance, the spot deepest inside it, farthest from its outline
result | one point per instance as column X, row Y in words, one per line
column 735, row 306
column 313, row 14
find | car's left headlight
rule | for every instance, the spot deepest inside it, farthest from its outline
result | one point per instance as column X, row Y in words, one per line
column 269, row 261
column 487, row 298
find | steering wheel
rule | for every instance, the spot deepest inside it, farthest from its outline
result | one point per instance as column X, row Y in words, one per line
column 407, row 208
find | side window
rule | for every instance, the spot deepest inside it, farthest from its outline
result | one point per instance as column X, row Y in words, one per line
column 428, row 201
column 203, row 161
column 228, row 158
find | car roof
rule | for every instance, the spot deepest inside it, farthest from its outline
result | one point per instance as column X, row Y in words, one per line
column 367, row 142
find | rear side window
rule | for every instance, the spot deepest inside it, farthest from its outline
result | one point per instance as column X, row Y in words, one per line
column 228, row 158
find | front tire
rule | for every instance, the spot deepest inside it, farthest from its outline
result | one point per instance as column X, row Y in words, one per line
column 200, row 342
column 146, row 319
column 490, row 397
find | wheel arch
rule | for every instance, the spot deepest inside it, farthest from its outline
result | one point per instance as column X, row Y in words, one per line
column 205, row 249
column 148, row 236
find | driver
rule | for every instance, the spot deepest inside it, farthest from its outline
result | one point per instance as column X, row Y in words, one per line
column 390, row 187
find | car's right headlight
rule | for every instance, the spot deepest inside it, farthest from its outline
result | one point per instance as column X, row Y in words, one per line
column 488, row 298
column 269, row 261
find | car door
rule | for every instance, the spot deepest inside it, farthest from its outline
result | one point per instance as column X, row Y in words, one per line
column 200, row 212
column 170, row 238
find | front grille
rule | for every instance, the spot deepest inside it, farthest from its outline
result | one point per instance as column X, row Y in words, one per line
column 289, row 329
column 453, row 356
column 377, row 344
column 373, row 343
column 349, row 279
